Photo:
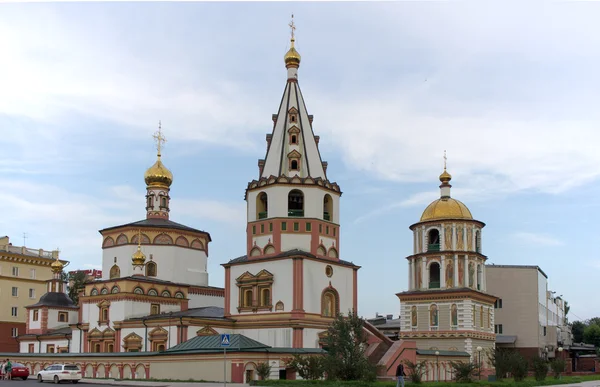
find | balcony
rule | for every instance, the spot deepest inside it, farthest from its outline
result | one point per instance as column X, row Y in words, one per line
column 433, row 247
column 434, row 284
column 326, row 215
column 263, row 215
column 295, row 212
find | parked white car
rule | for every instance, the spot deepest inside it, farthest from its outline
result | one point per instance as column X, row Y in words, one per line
column 59, row 372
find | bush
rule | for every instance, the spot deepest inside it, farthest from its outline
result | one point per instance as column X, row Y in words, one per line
column 308, row 367
column 519, row 367
column 416, row 370
column 463, row 372
column 263, row 370
column 502, row 360
column 540, row 368
column 558, row 367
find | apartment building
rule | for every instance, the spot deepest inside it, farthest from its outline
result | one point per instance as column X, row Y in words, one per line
column 528, row 316
column 23, row 275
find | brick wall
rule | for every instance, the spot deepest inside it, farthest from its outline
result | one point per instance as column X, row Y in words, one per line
column 7, row 342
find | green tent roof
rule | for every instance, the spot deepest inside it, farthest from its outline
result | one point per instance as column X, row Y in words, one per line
column 237, row 342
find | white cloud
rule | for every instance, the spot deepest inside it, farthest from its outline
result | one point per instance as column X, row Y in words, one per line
column 538, row 239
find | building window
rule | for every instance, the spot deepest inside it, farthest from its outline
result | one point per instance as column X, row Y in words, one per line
column 434, row 275
column 151, row 269
column 270, row 227
column 327, row 230
column 15, row 271
column 31, row 293
column 265, row 297
column 163, row 202
column 498, row 329
column 14, row 332
column 104, row 315
column 334, row 231
column 247, row 298
column 294, row 139
column 308, row 226
column 63, row 316
column 32, row 273
column 544, row 331
column 498, row 304
column 295, row 203
column 296, row 226
column 255, row 291
column 320, row 229
column 36, row 315
column 329, row 303
column 253, row 229
column 155, row 309
column 149, row 204
column 294, row 165
column 13, row 311
column 327, row 208
column 31, row 348
column 50, row 348
column 262, row 228
column 283, row 226
column 481, row 316
column 115, row 272
column 15, row 291
column 433, row 240
column 262, row 206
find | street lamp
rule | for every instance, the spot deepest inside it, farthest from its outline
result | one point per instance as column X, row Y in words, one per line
column 560, row 349
column 479, row 349
column 437, row 364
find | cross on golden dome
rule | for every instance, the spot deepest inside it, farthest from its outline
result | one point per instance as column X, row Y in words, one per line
column 159, row 138
column 292, row 27
column 292, row 57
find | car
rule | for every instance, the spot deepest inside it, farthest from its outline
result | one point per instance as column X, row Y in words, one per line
column 19, row 371
column 59, row 372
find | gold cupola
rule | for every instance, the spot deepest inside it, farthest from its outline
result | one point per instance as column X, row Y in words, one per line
column 446, row 207
column 57, row 266
column 158, row 175
column 292, row 57
column 138, row 258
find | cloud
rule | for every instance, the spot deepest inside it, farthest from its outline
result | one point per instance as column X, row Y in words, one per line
column 538, row 239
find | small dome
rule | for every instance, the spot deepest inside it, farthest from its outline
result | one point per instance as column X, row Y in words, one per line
column 446, row 208
column 445, row 177
column 56, row 266
column 292, row 57
column 158, row 175
column 138, row 258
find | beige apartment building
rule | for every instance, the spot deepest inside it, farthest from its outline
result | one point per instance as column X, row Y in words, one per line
column 528, row 316
column 23, row 275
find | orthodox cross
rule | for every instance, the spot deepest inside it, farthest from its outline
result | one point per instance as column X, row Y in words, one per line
column 159, row 138
column 292, row 26
column 445, row 159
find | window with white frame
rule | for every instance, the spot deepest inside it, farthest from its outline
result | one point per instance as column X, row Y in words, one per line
column 14, row 311
column 31, row 293
column 14, row 332
column 15, row 291
column 32, row 273
column 15, row 271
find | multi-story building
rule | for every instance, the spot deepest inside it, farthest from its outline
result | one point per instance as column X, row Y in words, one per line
column 23, row 275
column 528, row 315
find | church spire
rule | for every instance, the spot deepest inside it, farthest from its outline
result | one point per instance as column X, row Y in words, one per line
column 292, row 148
column 158, row 180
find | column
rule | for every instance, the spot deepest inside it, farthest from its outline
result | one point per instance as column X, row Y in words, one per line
column 424, row 248
column 465, row 236
column 424, row 283
column 483, row 284
column 453, row 236
column 416, row 241
column 466, row 271
column 456, row 270
column 443, row 273
column 442, row 237
column 410, row 274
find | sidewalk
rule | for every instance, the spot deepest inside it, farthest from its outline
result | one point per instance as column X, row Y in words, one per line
column 112, row 382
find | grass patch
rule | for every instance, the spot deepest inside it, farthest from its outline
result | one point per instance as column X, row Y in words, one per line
column 528, row 382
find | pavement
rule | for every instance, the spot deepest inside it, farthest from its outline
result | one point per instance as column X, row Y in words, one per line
column 112, row 382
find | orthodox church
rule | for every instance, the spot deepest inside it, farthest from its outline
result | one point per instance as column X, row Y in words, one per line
column 154, row 293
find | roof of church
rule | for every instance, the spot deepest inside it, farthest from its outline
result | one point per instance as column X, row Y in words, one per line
column 55, row 299
column 53, row 332
column 160, row 223
column 289, row 253
column 213, row 312
column 140, row 278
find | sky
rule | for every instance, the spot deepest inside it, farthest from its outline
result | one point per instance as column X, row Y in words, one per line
column 510, row 91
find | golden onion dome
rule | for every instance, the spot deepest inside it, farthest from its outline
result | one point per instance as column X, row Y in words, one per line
column 292, row 57
column 158, row 175
column 445, row 177
column 446, row 208
column 138, row 258
column 56, row 266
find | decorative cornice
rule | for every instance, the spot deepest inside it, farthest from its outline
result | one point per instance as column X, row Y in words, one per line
column 447, row 335
column 447, row 253
column 447, row 221
column 446, row 294
column 295, row 180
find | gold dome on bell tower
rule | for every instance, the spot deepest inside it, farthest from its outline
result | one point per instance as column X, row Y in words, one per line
column 158, row 175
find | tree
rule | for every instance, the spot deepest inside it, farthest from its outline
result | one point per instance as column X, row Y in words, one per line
column 594, row 321
column 567, row 309
column 558, row 367
column 346, row 344
column 263, row 370
column 463, row 372
column 519, row 367
column 591, row 335
column 416, row 370
column 76, row 281
column 577, row 329
column 502, row 359
column 308, row 367
column 540, row 368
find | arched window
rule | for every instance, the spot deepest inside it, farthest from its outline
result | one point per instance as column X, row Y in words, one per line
column 149, row 204
column 479, row 276
column 294, row 165
column 104, row 314
column 294, row 139
column 434, row 275
column 433, row 316
column 163, row 202
column 166, row 293
column 327, row 207
column 295, row 203
column 152, row 292
column 138, row 290
column 104, row 291
column 151, row 269
column 329, row 303
column 94, row 292
column 115, row 272
column 478, row 241
column 433, row 240
column 179, row 295
column 114, row 290
column 413, row 316
column 262, row 206
column 265, row 297
column 248, row 297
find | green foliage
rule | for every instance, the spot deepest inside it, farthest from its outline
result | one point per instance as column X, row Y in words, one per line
column 308, row 367
column 463, row 372
column 558, row 367
column 518, row 367
column 540, row 368
column 416, row 370
column 591, row 334
column 76, row 281
column 263, row 370
column 502, row 359
column 577, row 329
column 346, row 344
column 567, row 309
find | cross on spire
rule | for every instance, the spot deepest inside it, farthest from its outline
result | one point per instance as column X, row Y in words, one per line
column 292, row 27
column 445, row 159
column 159, row 138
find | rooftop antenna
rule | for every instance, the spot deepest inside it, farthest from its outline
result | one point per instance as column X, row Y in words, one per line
column 24, row 238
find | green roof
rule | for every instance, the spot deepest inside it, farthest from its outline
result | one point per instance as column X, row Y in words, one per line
column 237, row 342
column 431, row 352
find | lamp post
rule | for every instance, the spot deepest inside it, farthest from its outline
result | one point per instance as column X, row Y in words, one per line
column 437, row 364
column 479, row 349
column 560, row 356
